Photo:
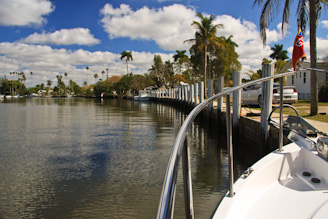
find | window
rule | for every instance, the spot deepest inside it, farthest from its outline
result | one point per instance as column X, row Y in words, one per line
column 293, row 78
column 257, row 86
column 304, row 77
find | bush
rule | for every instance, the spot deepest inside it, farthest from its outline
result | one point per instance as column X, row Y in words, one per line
column 323, row 92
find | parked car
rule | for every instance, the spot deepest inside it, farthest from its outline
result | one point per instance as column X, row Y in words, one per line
column 252, row 95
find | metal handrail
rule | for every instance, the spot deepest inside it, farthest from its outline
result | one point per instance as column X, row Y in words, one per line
column 166, row 205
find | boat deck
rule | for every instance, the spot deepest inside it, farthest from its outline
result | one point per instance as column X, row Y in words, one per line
column 277, row 188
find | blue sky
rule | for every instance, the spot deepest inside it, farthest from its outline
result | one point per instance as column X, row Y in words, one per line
column 51, row 37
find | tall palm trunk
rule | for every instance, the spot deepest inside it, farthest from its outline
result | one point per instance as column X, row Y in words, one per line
column 127, row 67
column 205, row 69
column 313, row 53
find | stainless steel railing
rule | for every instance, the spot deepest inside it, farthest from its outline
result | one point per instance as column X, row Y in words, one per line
column 180, row 147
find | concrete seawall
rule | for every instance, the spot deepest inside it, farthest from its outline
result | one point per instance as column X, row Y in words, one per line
column 246, row 137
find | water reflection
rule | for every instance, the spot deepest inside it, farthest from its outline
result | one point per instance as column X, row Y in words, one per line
column 73, row 158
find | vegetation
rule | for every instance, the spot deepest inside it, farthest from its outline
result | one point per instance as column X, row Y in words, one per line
column 278, row 52
column 128, row 57
column 307, row 10
column 323, row 92
column 205, row 40
column 303, row 107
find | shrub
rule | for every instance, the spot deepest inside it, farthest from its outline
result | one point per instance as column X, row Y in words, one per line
column 323, row 92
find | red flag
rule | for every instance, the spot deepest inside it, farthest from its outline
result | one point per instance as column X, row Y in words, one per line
column 298, row 50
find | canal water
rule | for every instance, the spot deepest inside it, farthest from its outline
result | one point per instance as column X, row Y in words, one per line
column 87, row 158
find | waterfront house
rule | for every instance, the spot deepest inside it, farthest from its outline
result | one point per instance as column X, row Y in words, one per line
column 302, row 79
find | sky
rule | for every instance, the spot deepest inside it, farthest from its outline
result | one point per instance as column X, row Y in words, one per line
column 51, row 37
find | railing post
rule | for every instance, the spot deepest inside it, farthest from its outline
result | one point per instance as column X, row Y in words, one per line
column 210, row 93
column 236, row 102
column 185, row 94
column 189, row 206
column 192, row 95
column 196, row 93
column 201, row 91
column 266, row 106
column 220, row 89
column 281, row 114
column 229, row 145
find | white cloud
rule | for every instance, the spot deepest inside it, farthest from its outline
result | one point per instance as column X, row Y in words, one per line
column 324, row 24
column 79, row 36
column 24, row 12
column 46, row 62
column 168, row 26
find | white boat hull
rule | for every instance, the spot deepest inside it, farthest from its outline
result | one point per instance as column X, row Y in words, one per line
column 277, row 188
column 143, row 95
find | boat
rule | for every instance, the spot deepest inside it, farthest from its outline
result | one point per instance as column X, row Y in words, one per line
column 143, row 95
column 290, row 182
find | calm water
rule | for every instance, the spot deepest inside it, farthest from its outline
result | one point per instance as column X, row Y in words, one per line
column 86, row 158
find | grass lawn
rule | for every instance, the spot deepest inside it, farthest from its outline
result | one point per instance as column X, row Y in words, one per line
column 303, row 107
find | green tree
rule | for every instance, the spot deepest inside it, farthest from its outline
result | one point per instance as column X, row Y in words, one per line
column 128, row 57
column 96, row 76
column 224, row 62
column 157, row 70
column 87, row 68
column 205, row 38
column 180, row 59
column 253, row 75
column 124, row 84
column 278, row 52
column 103, row 73
column 4, row 85
column 31, row 73
column 60, row 85
column 307, row 10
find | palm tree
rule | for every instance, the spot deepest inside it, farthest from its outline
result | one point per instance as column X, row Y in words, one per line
column 278, row 52
column 253, row 75
column 23, row 77
column 180, row 58
column 96, row 76
column 103, row 73
column 128, row 56
column 205, row 37
column 306, row 10
column 229, row 41
column 180, row 55
column 31, row 73
column 87, row 68
column 49, row 82
column 65, row 74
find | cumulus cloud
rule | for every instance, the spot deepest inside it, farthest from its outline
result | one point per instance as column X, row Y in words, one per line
column 79, row 36
column 24, row 12
column 324, row 24
column 46, row 62
column 168, row 26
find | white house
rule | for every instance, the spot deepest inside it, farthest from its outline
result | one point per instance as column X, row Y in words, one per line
column 302, row 79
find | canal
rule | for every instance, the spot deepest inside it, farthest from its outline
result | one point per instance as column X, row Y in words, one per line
column 88, row 158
